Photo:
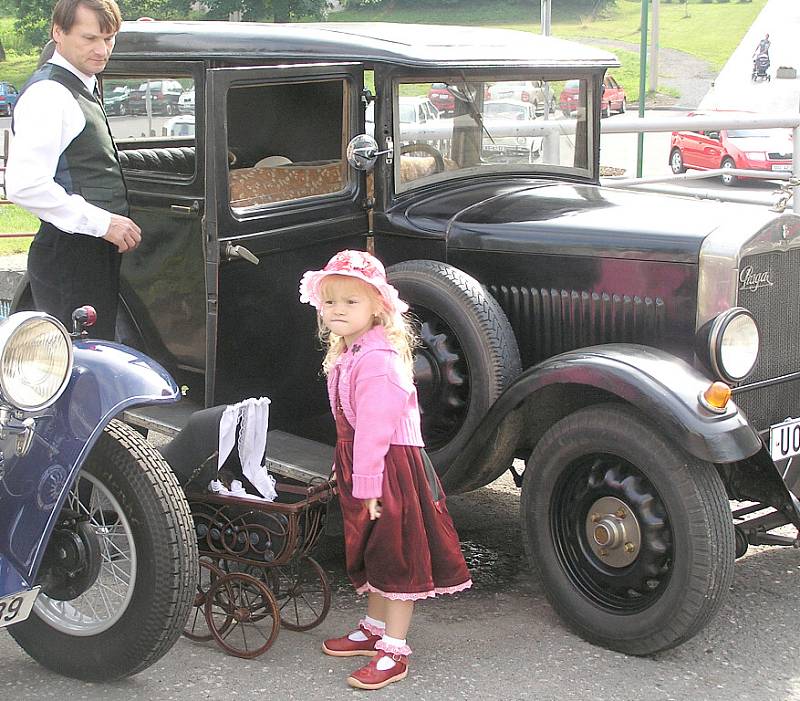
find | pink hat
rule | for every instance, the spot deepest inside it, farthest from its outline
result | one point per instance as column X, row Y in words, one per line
column 357, row 264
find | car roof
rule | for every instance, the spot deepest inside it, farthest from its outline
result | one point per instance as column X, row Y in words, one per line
column 432, row 46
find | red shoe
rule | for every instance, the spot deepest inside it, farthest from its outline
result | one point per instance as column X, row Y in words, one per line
column 344, row 647
column 370, row 677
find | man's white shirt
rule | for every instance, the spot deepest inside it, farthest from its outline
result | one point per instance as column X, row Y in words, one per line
column 46, row 120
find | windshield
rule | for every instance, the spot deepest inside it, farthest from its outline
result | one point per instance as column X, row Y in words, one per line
column 761, row 133
column 486, row 123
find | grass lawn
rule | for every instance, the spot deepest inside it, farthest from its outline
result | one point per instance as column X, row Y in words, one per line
column 711, row 31
column 14, row 220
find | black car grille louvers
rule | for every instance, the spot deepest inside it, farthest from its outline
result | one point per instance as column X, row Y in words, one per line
column 548, row 322
column 776, row 308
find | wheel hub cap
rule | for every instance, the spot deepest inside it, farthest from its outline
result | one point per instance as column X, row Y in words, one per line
column 613, row 532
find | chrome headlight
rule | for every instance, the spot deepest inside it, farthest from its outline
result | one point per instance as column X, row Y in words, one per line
column 35, row 360
column 733, row 344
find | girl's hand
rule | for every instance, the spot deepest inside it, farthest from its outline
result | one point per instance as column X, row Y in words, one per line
column 374, row 508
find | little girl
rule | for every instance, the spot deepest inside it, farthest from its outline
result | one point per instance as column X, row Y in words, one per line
column 400, row 543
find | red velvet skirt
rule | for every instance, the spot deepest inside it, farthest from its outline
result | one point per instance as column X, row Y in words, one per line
column 412, row 550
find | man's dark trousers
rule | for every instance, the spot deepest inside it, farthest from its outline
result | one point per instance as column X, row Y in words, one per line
column 67, row 271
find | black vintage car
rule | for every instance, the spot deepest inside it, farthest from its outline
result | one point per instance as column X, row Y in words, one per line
column 593, row 332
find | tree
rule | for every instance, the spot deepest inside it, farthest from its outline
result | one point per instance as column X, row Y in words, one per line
column 33, row 16
column 267, row 10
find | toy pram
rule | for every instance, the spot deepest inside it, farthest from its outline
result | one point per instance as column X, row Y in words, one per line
column 256, row 573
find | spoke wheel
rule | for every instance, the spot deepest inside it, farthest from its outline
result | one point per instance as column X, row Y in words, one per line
column 242, row 615
column 196, row 628
column 632, row 538
column 131, row 613
column 303, row 594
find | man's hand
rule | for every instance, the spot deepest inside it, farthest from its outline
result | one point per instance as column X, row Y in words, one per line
column 374, row 508
column 123, row 233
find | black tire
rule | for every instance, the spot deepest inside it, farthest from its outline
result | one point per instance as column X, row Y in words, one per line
column 605, row 463
column 468, row 356
column 137, row 498
column 623, row 106
column 728, row 180
column 169, row 109
column 122, row 109
column 605, row 110
column 676, row 163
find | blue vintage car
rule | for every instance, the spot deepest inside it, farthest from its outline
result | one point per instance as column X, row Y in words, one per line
column 97, row 556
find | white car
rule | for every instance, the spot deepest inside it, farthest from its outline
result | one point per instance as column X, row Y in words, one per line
column 532, row 91
column 186, row 102
column 500, row 113
column 182, row 125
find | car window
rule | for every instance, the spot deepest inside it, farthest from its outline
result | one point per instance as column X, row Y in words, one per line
column 494, row 124
column 285, row 142
column 152, row 136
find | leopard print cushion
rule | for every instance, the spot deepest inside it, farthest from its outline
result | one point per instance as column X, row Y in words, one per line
column 257, row 186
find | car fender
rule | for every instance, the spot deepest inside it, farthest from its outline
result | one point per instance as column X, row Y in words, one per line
column 106, row 379
column 662, row 387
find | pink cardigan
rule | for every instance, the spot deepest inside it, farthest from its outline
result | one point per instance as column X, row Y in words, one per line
column 379, row 401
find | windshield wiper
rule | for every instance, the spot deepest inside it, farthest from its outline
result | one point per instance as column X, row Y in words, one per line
column 464, row 95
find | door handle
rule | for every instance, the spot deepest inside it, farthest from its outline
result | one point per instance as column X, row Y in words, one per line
column 194, row 208
column 230, row 251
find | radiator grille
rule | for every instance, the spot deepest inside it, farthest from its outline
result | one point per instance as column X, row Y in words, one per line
column 776, row 308
column 548, row 322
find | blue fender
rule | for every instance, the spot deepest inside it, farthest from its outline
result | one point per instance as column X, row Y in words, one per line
column 663, row 387
column 106, row 379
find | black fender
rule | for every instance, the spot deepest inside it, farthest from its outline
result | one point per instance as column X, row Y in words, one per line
column 662, row 387
column 106, row 379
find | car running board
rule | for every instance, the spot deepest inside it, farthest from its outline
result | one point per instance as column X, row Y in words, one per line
column 288, row 455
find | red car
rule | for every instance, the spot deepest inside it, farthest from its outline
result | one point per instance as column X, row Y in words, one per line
column 612, row 100
column 753, row 149
column 442, row 98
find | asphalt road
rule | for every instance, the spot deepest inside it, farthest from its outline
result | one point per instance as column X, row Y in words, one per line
column 500, row 640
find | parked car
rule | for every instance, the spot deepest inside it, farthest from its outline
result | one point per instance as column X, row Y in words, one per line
column 536, row 92
column 612, row 98
column 636, row 350
column 163, row 96
column 115, row 101
column 186, row 102
column 441, row 97
column 8, row 98
column 498, row 113
column 751, row 149
column 97, row 550
column 182, row 125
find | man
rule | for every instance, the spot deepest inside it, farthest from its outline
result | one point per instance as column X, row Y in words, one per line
column 63, row 167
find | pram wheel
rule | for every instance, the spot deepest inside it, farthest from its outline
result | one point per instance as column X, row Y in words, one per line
column 242, row 615
column 196, row 627
column 303, row 594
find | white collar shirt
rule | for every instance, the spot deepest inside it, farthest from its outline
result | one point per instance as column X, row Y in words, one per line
column 46, row 120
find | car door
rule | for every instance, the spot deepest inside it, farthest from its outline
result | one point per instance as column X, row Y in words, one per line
column 285, row 201
column 163, row 280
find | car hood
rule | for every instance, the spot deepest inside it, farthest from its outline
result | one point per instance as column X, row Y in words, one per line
column 531, row 216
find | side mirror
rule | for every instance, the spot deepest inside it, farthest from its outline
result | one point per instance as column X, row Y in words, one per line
column 362, row 152
column 713, row 135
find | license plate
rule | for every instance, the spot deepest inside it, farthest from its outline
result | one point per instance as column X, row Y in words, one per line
column 494, row 147
column 782, row 166
column 17, row 607
column 784, row 439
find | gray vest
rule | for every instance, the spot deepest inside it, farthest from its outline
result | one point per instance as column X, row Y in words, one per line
column 89, row 166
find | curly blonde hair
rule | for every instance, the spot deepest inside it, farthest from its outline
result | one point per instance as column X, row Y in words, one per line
column 398, row 327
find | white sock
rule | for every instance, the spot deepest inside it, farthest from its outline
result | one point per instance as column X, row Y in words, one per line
column 386, row 662
column 357, row 636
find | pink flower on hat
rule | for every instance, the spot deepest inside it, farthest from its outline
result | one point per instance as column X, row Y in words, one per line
column 358, row 264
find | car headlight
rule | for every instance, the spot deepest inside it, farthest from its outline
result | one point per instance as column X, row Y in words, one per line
column 733, row 344
column 756, row 155
column 35, row 360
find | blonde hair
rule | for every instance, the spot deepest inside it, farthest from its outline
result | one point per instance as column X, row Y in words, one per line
column 398, row 327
